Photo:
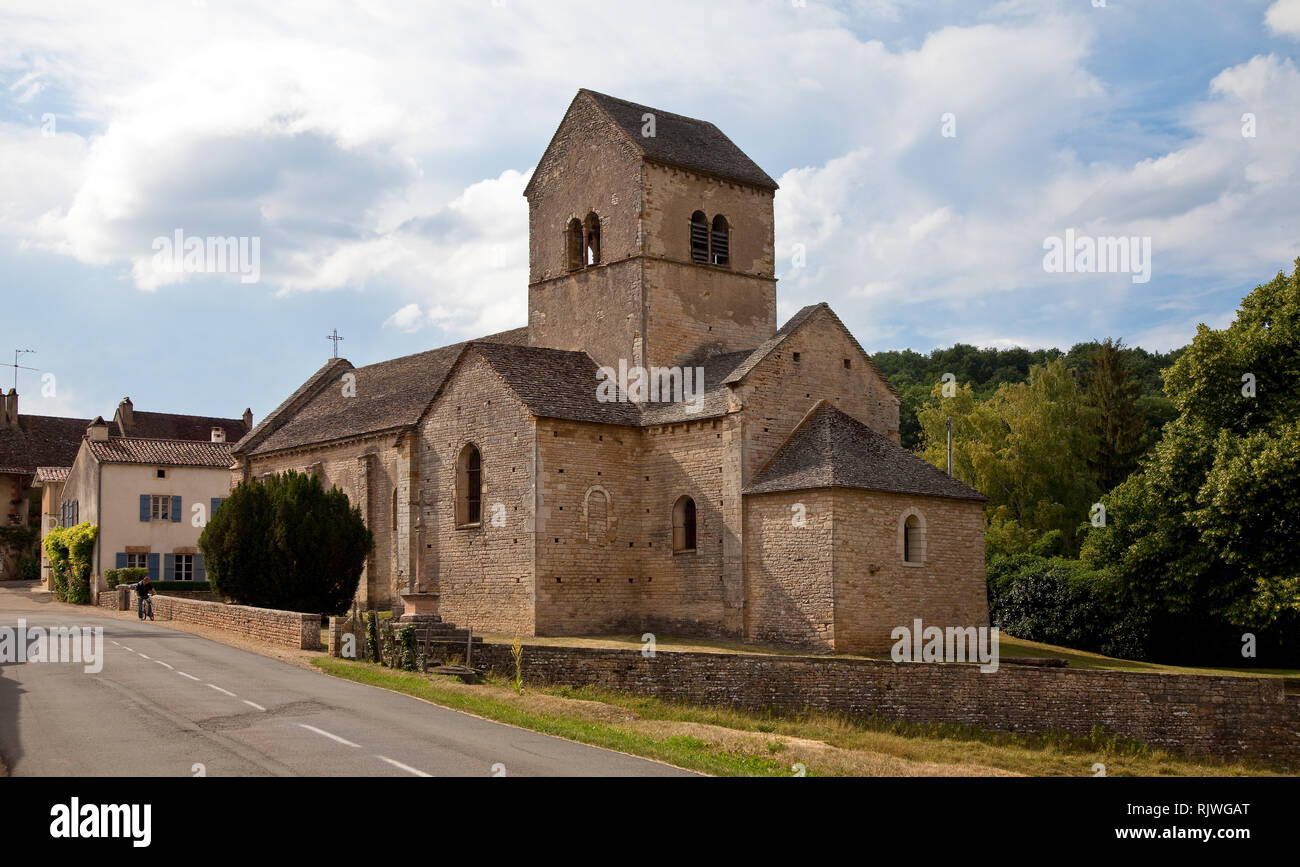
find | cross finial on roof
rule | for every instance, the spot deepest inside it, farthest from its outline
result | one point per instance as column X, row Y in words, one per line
column 335, row 337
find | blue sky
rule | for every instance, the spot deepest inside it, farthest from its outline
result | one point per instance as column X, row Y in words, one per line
column 379, row 153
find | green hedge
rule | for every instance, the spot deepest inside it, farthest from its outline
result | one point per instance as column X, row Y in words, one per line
column 1061, row 601
column 163, row 586
column 115, row 577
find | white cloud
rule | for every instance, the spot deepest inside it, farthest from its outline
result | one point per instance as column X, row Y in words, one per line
column 373, row 149
column 1283, row 18
column 409, row 318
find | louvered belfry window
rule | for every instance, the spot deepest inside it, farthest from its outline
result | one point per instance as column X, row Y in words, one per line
column 699, row 237
column 720, row 242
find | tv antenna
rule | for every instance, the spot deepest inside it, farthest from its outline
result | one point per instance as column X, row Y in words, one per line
column 17, row 367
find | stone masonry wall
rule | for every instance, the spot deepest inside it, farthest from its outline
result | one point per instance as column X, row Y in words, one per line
column 631, row 579
column 780, row 391
column 1221, row 716
column 692, row 306
column 283, row 628
column 876, row 591
column 789, row 594
column 484, row 573
column 590, row 167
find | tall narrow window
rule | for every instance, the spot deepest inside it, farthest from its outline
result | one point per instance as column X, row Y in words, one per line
column 720, row 242
column 699, row 237
column 573, row 244
column 469, row 487
column 592, row 230
column 913, row 541
column 684, row 524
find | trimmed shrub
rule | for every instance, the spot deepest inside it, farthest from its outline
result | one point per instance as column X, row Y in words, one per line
column 114, row 577
column 286, row 543
column 165, row 586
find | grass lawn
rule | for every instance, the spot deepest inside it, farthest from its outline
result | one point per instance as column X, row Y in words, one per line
column 728, row 742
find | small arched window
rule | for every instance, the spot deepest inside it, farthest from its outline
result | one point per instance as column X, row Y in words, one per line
column 720, row 242
column 573, row 244
column 911, row 541
column 699, row 237
column 591, row 226
column 469, row 487
column 684, row 524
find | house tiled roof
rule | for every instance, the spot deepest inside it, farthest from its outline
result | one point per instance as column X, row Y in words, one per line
column 389, row 395
column 40, row 441
column 52, row 474
column 172, row 426
column 830, row 449
column 178, row 453
column 684, row 142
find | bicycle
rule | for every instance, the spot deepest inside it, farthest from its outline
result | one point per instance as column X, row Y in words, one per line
column 144, row 605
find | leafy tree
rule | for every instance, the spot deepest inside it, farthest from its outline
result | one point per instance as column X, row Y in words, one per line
column 914, row 376
column 1111, row 389
column 1027, row 448
column 1207, row 532
column 286, row 543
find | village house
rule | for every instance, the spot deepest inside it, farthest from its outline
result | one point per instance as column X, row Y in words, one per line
column 67, row 470
column 773, row 504
column 34, row 451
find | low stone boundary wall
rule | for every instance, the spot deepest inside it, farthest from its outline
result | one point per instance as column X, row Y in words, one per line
column 284, row 628
column 1240, row 717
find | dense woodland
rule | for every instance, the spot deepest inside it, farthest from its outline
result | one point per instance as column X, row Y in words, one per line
column 1193, row 456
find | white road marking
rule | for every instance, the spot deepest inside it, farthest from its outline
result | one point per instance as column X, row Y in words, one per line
column 253, row 704
column 142, row 656
column 219, row 689
column 124, row 647
column 160, row 662
column 400, row 766
column 190, row 676
column 115, row 642
column 332, row 737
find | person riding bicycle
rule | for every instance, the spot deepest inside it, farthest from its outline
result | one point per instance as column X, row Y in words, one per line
column 144, row 589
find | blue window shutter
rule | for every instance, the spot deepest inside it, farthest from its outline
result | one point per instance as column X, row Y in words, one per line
column 169, row 567
column 200, row 573
column 216, row 504
column 120, row 558
column 176, row 510
column 153, row 567
column 144, row 507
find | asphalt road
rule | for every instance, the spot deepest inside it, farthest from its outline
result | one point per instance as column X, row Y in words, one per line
column 170, row 703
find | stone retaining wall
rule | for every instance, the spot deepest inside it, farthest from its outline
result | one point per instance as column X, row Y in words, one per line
column 284, row 628
column 1221, row 716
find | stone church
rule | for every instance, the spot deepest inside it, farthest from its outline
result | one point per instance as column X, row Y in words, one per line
column 769, row 500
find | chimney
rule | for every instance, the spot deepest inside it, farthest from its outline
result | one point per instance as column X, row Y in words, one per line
column 9, row 416
column 98, row 430
column 218, row 435
column 248, row 418
column 124, row 415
